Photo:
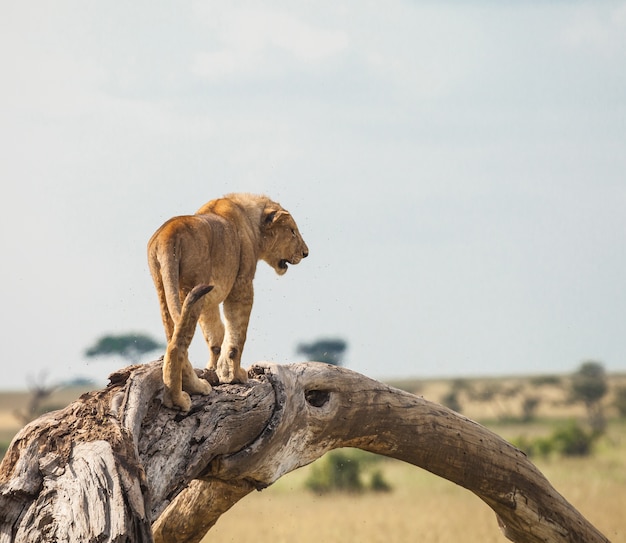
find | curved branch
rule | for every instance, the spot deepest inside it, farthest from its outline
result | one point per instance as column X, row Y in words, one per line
column 118, row 459
column 326, row 407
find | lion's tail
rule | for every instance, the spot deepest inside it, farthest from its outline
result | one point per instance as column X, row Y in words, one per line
column 165, row 268
column 186, row 325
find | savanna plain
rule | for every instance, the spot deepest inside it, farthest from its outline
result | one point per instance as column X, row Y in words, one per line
column 419, row 505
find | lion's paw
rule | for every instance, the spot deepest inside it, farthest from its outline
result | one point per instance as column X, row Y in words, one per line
column 181, row 400
column 227, row 374
column 224, row 371
column 199, row 386
column 241, row 375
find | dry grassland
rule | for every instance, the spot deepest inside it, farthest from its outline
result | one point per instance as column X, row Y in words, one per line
column 14, row 404
column 425, row 508
column 422, row 507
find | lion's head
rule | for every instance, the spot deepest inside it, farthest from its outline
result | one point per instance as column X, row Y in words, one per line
column 283, row 243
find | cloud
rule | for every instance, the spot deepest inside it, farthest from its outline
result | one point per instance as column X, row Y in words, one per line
column 39, row 74
column 248, row 42
column 598, row 29
column 431, row 53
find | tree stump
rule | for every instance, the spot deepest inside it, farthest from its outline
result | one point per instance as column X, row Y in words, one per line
column 119, row 466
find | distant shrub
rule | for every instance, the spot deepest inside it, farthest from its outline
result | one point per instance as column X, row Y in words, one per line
column 487, row 393
column 573, row 440
column 620, row 400
column 335, row 471
column 543, row 446
column 378, row 483
column 461, row 384
column 569, row 440
column 529, row 407
column 541, row 380
column 589, row 385
column 341, row 471
column 451, row 401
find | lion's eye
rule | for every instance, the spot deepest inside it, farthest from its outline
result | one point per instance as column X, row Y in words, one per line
column 293, row 232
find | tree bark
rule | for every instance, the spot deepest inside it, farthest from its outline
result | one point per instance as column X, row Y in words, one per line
column 119, row 466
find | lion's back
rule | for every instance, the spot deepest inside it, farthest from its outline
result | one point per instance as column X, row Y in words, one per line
column 202, row 247
column 230, row 205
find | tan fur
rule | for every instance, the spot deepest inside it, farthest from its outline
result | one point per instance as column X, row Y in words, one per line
column 220, row 246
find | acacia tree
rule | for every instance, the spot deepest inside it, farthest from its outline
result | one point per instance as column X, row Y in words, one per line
column 129, row 346
column 589, row 386
column 328, row 350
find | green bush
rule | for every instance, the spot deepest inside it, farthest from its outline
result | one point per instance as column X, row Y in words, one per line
column 378, row 483
column 341, row 470
column 543, row 446
column 335, row 471
column 573, row 440
column 569, row 440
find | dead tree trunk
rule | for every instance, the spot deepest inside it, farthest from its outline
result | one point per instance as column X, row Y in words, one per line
column 119, row 466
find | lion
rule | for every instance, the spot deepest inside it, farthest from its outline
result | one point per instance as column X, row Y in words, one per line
column 219, row 246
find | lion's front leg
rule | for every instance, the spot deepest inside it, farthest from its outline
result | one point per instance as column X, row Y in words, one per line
column 237, row 315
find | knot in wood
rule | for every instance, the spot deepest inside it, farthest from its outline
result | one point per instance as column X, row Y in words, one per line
column 317, row 398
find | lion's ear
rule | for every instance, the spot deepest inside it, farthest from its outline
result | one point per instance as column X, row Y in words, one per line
column 273, row 215
column 268, row 217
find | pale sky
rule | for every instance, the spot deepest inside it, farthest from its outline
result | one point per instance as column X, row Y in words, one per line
column 457, row 169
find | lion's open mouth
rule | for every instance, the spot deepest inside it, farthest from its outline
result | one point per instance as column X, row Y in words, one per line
column 282, row 264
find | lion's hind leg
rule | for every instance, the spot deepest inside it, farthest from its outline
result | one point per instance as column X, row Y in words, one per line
column 213, row 330
column 178, row 374
column 173, row 363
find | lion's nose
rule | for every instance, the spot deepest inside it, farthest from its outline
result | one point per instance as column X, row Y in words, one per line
column 305, row 253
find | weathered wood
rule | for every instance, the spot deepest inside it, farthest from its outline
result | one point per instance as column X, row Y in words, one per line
column 118, row 460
